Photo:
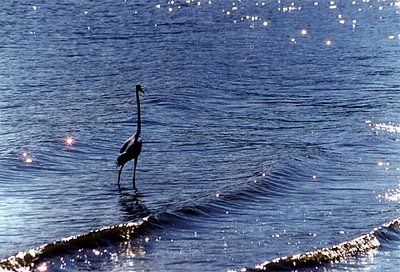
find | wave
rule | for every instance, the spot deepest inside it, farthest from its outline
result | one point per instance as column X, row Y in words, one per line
column 337, row 253
column 91, row 240
column 266, row 183
column 33, row 259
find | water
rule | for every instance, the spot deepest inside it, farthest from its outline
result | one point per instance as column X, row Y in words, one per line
column 269, row 129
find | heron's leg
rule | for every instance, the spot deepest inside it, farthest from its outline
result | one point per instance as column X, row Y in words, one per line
column 134, row 173
column 119, row 174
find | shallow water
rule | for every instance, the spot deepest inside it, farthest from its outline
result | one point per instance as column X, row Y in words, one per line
column 269, row 129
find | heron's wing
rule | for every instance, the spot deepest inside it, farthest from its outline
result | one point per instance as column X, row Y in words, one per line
column 125, row 145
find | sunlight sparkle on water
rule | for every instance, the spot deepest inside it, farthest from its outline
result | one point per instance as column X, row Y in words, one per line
column 69, row 140
column 393, row 195
column 354, row 22
column 27, row 158
column 384, row 165
column 381, row 163
column 42, row 267
column 390, row 127
column 390, row 195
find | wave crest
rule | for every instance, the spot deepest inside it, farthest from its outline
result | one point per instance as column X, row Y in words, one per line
column 337, row 253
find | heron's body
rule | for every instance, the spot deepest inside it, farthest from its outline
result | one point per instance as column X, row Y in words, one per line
column 132, row 147
column 130, row 150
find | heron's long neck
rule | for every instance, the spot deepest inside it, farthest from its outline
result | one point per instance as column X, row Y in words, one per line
column 139, row 124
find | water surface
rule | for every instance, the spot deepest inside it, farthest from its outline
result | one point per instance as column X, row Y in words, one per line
column 270, row 128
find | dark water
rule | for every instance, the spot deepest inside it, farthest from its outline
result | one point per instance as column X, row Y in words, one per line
column 270, row 128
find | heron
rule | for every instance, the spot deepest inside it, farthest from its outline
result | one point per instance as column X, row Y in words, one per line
column 133, row 145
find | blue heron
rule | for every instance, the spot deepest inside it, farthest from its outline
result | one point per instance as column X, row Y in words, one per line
column 133, row 146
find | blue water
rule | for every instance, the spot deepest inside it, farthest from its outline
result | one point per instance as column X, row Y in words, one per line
column 269, row 128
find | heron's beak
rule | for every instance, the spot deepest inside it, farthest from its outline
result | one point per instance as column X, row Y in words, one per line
column 139, row 88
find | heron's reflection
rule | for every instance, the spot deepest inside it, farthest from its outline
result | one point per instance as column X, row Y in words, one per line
column 131, row 205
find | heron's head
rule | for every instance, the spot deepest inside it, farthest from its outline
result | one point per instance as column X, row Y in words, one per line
column 139, row 89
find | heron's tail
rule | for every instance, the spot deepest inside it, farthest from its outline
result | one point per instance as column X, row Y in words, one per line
column 122, row 159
